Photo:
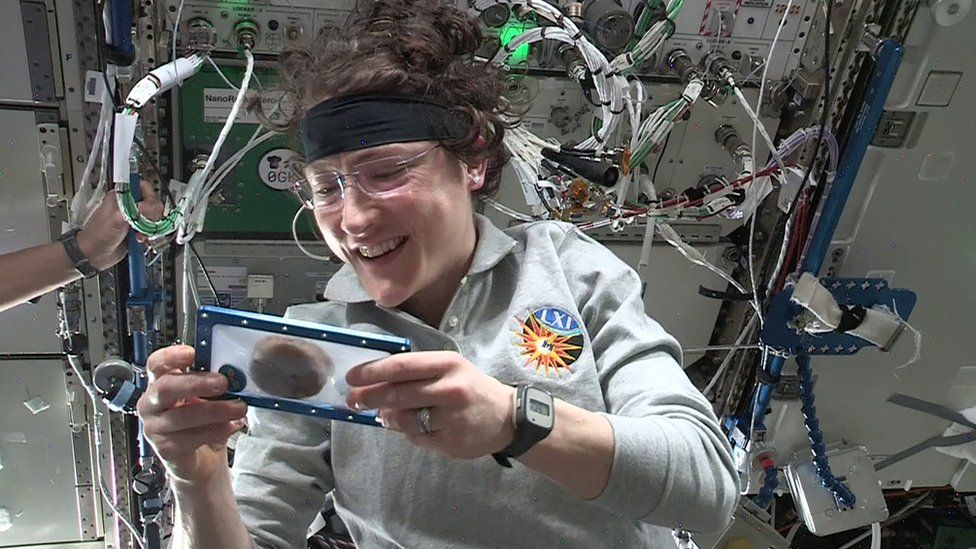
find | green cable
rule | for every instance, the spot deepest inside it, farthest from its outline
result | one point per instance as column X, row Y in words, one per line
column 138, row 222
column 644, row 149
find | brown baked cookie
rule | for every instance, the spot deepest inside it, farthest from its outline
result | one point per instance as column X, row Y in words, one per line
column 289, row 367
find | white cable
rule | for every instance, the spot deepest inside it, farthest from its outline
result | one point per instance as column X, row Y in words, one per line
column 102, row 186
column 747, row 329
column 79, row 203
column 227, row 167
column 74, row 362
column 96, row 431
column 758, row 124
column 858, row 539
column 162, row 79
column 176, row 31
column 220, row 73
column 294, row 234
column 224, row 169
column 86, row 200
column 752, row 267
column 196, row 194
column 187, row 295
column 232, row 117
column 891, row 518
column 107, row 25
column 609, row 93
column 507, row 211
column 762, row 90
column 691, row 254
column 876, row 535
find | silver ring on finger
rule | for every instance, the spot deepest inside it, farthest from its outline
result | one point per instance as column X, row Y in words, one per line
column 423, row 421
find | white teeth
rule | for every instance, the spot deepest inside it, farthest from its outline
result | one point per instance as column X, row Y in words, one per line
column 380, row 249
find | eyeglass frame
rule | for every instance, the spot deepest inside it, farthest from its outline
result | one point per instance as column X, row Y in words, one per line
column 343, row 179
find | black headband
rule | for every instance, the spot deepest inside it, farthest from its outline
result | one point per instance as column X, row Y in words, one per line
column 359, row 122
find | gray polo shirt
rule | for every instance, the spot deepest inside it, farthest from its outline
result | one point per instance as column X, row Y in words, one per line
column 538, row 281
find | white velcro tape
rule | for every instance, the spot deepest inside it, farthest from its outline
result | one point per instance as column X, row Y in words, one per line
column 125, row 134
column 812, row 296
column 880, row 326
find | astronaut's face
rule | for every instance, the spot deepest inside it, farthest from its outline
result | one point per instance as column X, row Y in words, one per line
column 412, row 241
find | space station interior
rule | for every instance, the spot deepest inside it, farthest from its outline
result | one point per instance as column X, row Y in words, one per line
column 786, row 178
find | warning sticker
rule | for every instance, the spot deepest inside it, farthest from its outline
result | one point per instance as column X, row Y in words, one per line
column 217, row 104
column 719, row 17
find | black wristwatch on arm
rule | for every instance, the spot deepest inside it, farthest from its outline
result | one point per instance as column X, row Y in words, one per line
column 534, row 418
column 70, row 242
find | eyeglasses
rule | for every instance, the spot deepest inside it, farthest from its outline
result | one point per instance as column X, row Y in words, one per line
column 325, row 190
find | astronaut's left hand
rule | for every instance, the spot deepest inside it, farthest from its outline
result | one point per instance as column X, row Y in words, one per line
column 470, row 413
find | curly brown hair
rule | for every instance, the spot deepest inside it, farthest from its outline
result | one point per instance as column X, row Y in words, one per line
column 408, row 47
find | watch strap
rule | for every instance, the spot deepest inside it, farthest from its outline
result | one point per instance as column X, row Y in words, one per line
column 527, row 435
column 81, row 263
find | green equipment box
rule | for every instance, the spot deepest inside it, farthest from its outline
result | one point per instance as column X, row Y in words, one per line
column 254, row 201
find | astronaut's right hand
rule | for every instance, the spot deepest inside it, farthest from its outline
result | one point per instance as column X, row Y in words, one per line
column 188, row 432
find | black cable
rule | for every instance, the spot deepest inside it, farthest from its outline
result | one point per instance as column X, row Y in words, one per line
column 151, row 163
column 102, row 61
column 196, row 255
column 660, row 157
column 826, row 109
column 169, row 195
column 206, row 273
column 825, row 97
column 542, row 198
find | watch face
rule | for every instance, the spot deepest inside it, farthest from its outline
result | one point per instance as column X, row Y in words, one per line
column 538, row 409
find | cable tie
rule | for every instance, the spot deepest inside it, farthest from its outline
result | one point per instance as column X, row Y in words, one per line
column 670, row 22
column 766, row 378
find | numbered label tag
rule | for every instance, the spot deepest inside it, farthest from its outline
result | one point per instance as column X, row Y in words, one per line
column 273, row 169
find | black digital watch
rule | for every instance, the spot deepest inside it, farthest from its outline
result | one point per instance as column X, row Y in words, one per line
column 535, row 415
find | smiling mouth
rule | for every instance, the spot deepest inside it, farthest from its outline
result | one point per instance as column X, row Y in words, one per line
column 379, row 250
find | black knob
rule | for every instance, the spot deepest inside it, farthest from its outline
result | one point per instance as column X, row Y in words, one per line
column 600, row 173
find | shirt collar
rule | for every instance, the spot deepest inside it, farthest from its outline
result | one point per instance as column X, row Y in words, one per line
column 493, row 245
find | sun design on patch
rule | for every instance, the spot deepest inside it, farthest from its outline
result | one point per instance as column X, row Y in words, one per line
column 548, row 350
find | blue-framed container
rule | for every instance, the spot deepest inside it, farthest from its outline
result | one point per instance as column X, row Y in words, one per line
column 227, row 339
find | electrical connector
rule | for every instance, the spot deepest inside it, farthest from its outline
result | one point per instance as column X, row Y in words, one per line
column 162, row 79
column 682, row 65
column 718, row 66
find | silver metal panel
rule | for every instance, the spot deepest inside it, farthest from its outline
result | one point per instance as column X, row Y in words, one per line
column 80, row 424
column 910, row 216
column 16, row 83
column 297, row 278
column 672, row 298
column 85, row 545
column 37, row 482
column 43, row 80
column 818, row 507
column 28, row 328
column 691, row 152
